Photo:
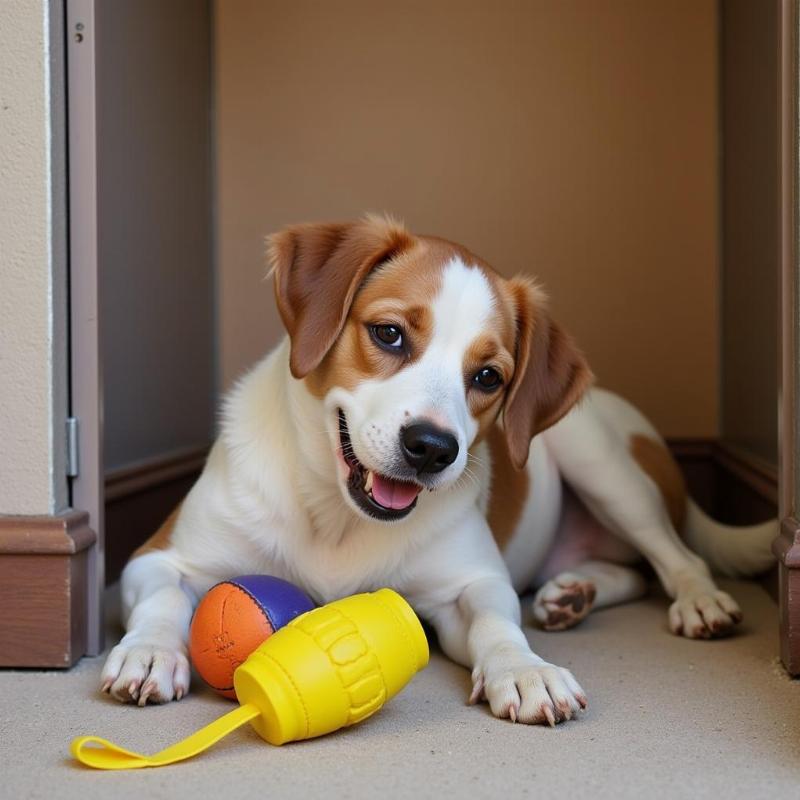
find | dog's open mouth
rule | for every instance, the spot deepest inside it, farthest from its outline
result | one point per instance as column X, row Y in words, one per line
column 378, row 495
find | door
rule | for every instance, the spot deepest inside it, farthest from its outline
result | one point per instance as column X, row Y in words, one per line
column 143, row 365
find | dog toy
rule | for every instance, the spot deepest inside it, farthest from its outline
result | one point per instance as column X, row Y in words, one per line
column 234, row 618
column 327, row 669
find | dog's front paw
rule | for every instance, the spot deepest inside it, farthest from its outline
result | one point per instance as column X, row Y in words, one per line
column 704, row 614
column 523, row 688
column 141, row 671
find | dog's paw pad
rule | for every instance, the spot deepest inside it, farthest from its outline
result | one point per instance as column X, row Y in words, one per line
column 563, row 602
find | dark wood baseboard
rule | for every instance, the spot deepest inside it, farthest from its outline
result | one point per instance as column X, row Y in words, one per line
column 43, row 589
column 140, row 497
column 730, row 484
column 159, row 471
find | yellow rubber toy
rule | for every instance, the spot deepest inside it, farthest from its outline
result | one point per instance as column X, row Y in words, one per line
column 327, row 669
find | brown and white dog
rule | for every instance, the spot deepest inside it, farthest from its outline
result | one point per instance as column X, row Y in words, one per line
column 419, row 428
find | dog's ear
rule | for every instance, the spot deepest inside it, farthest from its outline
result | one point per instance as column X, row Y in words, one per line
column 550, row 373
column 318, row 269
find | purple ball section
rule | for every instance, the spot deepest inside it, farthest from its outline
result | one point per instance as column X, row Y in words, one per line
column 280, row 600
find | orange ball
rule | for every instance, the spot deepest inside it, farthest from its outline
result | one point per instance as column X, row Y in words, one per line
column 234, row 618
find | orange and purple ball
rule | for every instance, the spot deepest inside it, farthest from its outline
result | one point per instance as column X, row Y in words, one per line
column 234, row 618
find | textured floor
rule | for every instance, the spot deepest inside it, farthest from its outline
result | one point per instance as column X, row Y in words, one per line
column 667, row 718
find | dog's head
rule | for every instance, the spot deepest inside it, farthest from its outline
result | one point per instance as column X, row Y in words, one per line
column 415, row 347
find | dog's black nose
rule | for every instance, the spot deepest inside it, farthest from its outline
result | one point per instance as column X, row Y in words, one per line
column 428, row 448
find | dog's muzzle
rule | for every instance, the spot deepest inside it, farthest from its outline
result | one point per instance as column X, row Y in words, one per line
column 380, row 496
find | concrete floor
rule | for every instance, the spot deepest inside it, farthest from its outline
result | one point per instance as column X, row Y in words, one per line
column 668, row 718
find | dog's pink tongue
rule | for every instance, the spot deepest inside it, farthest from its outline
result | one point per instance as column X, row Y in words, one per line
column 393, row 494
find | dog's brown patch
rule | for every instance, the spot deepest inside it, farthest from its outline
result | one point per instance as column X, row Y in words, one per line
column 162, row 538
column 396, row 293
column 508, row 490
column 318, row 269
column 657, row 462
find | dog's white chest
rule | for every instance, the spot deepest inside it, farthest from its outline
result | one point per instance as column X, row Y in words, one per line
column 329, row 571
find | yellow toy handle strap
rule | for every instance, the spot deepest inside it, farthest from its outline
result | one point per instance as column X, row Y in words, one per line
column 102, row 754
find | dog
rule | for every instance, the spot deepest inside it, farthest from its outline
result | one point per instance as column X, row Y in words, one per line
column 426, row 425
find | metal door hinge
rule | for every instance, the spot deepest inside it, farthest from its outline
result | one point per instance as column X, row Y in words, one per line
column 72, row 447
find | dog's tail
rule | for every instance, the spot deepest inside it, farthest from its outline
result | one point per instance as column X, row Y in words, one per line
column 733, row 551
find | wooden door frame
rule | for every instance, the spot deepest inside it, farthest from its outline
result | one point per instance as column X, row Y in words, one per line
column 86, row 362
column 787, row 545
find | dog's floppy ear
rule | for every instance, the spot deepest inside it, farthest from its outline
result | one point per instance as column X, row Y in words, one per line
column 318, row 269
column 550, row 374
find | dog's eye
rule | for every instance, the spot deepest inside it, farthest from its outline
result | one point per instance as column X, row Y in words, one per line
column 488, row 379
column 390, row 337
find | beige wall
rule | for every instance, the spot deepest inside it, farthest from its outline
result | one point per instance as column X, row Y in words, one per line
column 573, row 140
column 33, row 349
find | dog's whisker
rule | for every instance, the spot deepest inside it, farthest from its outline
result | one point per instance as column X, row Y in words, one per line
column 470, row 480
column 467, row 476
column 470, row 475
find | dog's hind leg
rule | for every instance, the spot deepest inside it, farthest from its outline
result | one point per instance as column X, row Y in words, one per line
column 592, row 448
column 568, row 598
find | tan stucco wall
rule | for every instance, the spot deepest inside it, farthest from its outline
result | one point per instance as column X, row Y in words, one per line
column 574, row 140
column 33, row 381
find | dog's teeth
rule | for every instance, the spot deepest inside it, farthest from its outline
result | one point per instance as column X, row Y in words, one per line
column 368, row 482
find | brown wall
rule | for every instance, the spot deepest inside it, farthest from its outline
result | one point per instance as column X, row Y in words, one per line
column 750, row 243
column 573, row 140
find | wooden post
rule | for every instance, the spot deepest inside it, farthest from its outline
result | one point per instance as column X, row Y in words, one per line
column 787, row 545
column 43, row 589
